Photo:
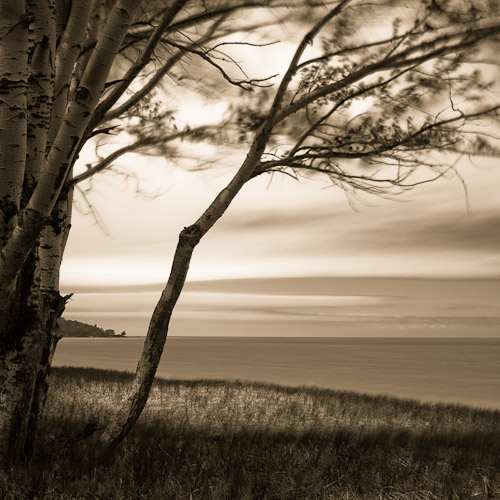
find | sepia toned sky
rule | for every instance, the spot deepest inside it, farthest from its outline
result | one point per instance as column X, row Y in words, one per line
column 297, row 258
column 287, row 228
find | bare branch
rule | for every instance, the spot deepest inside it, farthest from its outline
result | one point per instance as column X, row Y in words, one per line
column 243, row 84
column 428, row 50
column 157, row 77
column 143, row 59
column 136, row 146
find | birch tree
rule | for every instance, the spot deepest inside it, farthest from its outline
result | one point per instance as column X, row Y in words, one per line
column 74, row 70
column 71, row 71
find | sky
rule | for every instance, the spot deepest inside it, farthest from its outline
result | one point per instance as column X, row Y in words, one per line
column 291, row 258
column 288, row 258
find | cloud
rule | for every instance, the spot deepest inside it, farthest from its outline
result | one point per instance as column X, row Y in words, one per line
column 289, row 229
column 477, row 232
column 312, row 306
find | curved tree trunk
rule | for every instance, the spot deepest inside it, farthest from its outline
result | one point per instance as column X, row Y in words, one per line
column 154, row 344
column 116, row 431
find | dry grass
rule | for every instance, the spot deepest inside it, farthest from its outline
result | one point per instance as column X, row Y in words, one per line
column 215, row 440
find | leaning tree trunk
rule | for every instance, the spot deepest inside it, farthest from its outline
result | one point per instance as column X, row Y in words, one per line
column 154, row 344
column 126, row 418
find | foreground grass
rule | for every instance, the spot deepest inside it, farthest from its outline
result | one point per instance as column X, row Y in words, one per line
column 223, row 440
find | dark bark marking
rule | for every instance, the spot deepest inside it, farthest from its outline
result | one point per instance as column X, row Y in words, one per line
column 23, row 315
column 192, row 234
column 24, row 21
column 8, row 207
column 82, row 96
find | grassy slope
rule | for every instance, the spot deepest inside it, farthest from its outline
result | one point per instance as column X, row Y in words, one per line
column 215, row 440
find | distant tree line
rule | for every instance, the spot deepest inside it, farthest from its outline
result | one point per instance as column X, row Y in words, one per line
column 73, row 328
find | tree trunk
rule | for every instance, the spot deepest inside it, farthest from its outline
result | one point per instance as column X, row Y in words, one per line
column 27, row 343
column 37, row 145
column 121, row 425
column 154, row 344
column 51, row 338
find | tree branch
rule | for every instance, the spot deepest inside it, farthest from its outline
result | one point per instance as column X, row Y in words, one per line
column 313, row 153
column 464, row 39
column 139, row 144
column 140, row 63
column 243, row 84
column 154, row 80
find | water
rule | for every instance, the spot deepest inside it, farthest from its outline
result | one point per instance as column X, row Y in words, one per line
column 437, row 370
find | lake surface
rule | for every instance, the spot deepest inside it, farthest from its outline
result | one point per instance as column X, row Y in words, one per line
column 439, row 370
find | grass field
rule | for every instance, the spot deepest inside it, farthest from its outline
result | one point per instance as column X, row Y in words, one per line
column 211, row 440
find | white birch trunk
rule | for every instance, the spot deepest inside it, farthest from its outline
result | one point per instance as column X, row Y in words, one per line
column 13, row 106
column 37, row 143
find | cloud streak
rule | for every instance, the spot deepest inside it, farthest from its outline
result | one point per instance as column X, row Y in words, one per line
column 288, row 307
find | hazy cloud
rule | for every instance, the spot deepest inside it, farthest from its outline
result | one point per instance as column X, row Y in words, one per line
column 290, row 229
column 315, row 306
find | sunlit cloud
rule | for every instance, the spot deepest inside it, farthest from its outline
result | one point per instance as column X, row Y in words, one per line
column 289, row 229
